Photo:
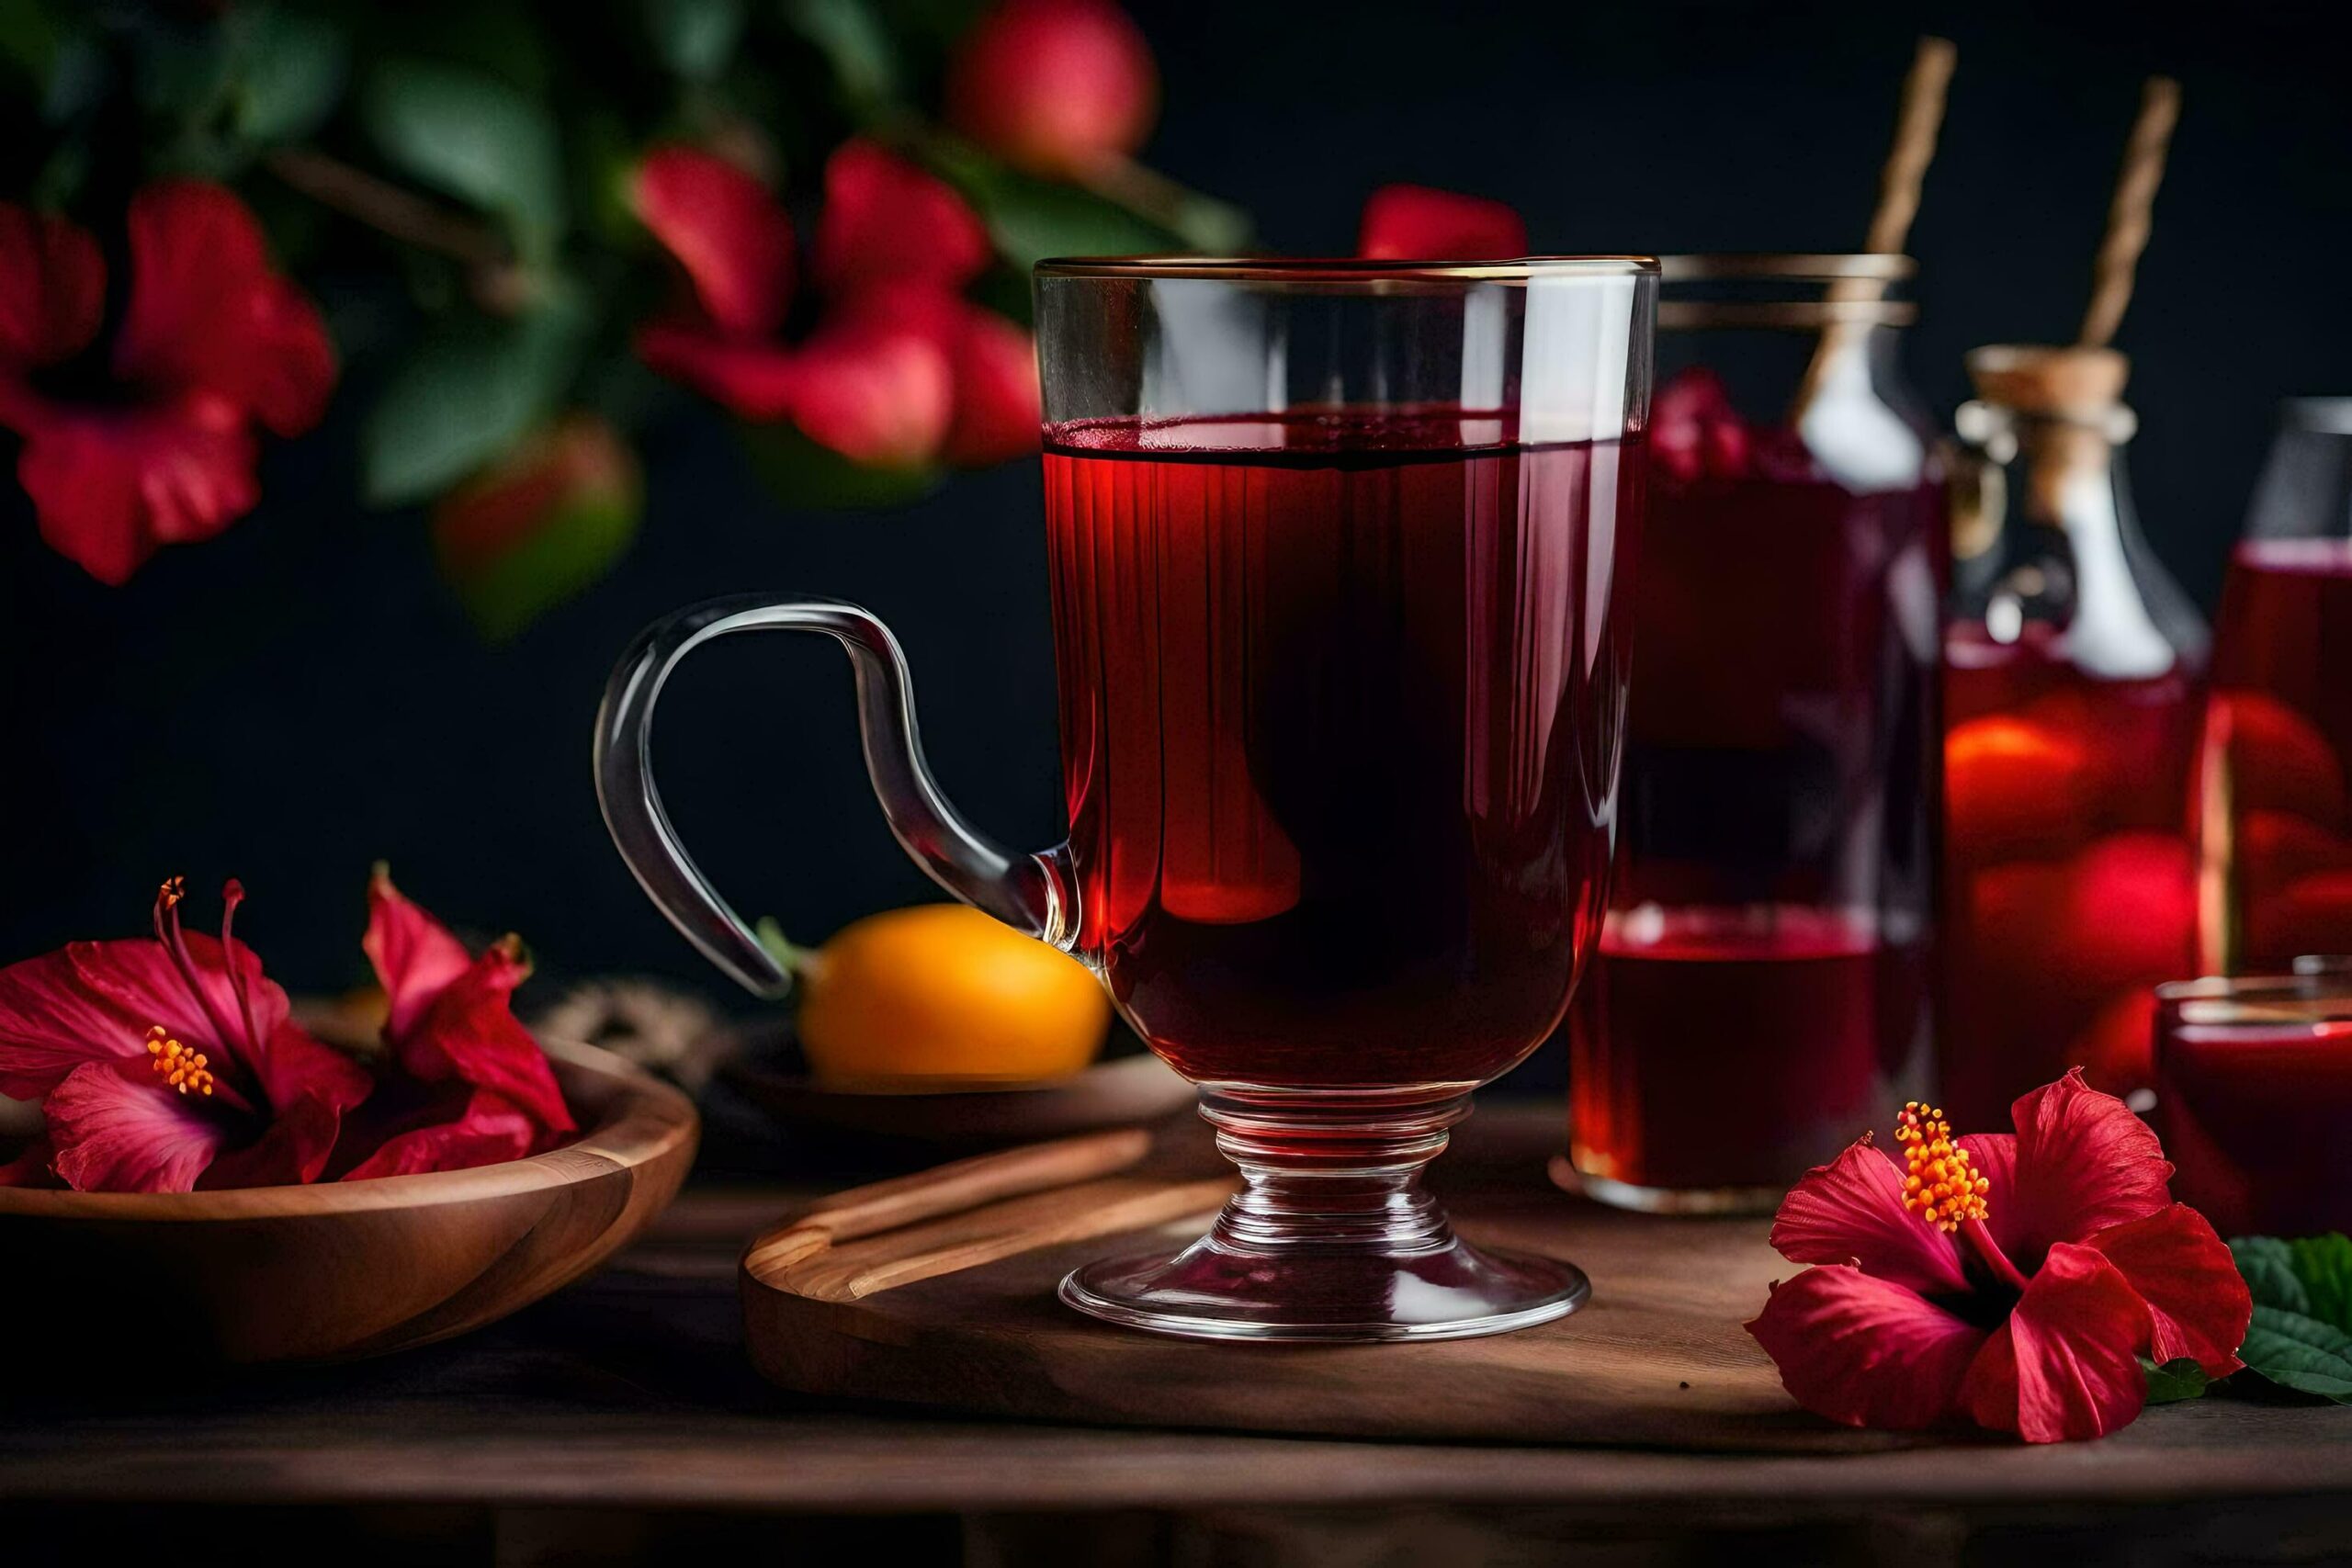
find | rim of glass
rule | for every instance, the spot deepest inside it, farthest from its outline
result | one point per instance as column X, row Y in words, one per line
column 2317, row 981
column 1879, row 267
column 1342, row 269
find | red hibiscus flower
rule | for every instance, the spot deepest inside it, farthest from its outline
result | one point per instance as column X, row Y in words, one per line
column 470, row 1085
column 1058, row 87
column 2011, row 1281
column 151, row 443
column 1417, row 223
column 168, row 1065
column 894, row 367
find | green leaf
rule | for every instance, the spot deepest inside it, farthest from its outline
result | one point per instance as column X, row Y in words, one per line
column 470, row 135
column 469, row 393
column 2174, row 1380
column 2268, row 1264
column 696, row 38
column 2300, row 1352
column 1029, row 219
column 800, row 472
column 2323, row 1263
column 855, row 44
column 30, row 36
column 289, row 70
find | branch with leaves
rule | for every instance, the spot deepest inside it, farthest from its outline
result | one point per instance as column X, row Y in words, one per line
column 522, row 230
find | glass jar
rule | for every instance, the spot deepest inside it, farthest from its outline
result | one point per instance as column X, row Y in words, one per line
column 2072, row 668
column 2274, row 825
column 1759, row 997
column 2253, row 1084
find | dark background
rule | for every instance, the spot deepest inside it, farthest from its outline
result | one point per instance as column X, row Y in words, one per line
column 303, row 698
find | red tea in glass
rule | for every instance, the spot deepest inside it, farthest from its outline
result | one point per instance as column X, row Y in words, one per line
column 1336, row 692
column 2277, row 826
column 1758, row 998
column 2254, row 1089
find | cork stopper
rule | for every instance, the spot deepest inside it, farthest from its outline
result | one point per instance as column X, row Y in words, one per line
column 2035, row 379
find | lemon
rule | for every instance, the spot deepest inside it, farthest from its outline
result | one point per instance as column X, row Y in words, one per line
column 940, row 992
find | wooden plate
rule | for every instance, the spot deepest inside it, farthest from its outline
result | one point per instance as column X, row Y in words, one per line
column 1124, row 1091
column 938, row 1289
column 344, row 1269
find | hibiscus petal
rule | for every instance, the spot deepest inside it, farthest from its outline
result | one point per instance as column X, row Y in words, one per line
column 93, row 1001
column 876, row 394
column 1863, row 1351
column 1851, row 1209
column 456, row 1131
column 750, row 380
column 52, row 288
column 469, row 1034
column 2066, row 1364
column 1404, row 222
column 885, row 220
column 416, row 957
column 206, row 311
column 2197, row 1302
column 2084, row 1162
column 119, row 1128
column 109, row 485
column 726, row 231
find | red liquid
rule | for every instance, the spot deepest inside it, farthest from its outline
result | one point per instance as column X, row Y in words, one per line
column 2068, row 890
column 1728, row 1048
column 2253, row 1117
column 1340, row 694
column 1780, row 757
column 2275, row 831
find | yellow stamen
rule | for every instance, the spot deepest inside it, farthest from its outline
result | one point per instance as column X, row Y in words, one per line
column 1941, row 1187
column 174, row 889
column 182, row 1068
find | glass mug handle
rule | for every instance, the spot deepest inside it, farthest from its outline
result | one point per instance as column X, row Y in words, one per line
column 1030, row 893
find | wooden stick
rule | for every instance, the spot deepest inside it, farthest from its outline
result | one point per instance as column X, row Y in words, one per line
column 2129, row 219
column 1917, row 125
column 951, row 1190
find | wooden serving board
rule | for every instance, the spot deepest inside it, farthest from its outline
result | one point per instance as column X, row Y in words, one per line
column 937, row 1289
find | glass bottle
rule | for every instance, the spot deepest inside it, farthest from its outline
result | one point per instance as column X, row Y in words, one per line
column 2072, row 667
column 2274, row 830
column 1759, row 997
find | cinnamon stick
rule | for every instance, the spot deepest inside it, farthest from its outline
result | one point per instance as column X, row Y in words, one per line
column 2128, row 218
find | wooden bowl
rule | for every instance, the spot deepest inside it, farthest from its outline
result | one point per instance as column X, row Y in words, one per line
column 342, row 1270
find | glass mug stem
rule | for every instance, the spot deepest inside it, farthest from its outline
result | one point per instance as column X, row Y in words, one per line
column 1030, row 893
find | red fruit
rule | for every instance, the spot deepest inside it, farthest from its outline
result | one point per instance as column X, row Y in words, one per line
column 2117, row 916
column 2014, row 788
column 1058, row 88
column 2274, row 847
column 2131, row 911
column 2278, row 760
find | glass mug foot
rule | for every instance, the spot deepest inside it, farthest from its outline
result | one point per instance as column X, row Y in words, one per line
column 1332, row 1238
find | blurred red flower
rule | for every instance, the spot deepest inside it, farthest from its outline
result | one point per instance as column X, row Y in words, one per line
column 2014, row 1280
column 167, row 1064
column 1058, row 88
column 152, row 443
column 1405, row 223
column 896, row 367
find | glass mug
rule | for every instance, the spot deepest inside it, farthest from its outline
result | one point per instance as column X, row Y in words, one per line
column 1339, row 560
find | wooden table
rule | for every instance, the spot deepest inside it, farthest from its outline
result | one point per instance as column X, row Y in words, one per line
column 629, row 1395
